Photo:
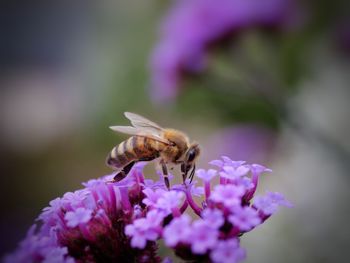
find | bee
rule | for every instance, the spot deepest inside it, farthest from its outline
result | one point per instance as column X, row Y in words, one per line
column 149, row 141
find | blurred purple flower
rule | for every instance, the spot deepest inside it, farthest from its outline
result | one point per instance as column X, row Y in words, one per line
column 206, row 175
column 191, row 26
column 250, row 142
column 227, row 251
column 121, row 222
column 245, row 218
column 213, row 217
column 58, row 255
column 203, row 237
column 233, row 173
column 269, row 203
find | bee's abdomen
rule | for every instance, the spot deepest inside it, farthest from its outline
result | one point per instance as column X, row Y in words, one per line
column 134, row 148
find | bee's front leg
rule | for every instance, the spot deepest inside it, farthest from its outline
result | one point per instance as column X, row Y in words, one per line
column 165, row 174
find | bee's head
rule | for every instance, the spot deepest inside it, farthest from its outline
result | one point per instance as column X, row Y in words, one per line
column 190, row 157
column 192, row 153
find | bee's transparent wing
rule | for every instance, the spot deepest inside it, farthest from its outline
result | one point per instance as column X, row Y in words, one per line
column 139, row 132
column 141, row 122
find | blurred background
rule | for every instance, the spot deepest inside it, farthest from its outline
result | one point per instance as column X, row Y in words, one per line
column 262, row 81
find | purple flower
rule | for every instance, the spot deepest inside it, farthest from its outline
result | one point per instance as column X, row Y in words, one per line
column 191, row 26
column 169, row 201
column 57, row 255
column 226, row 162
column 39, row 248
column 203, row 237
column 84, row 218
column 122, row 221
column 245, row 218
column 167, row 260
column 140, row 233
column 229, row 195
column 269, row 203
column 145, row 229
column 232, row 173
column 79, row 216
column 259, row 169
column 189, row 187
column 227, row 251
column 152, row 196
column 75, row 199
column 213, row 217
column 50, row 211
column 206, row 175
column 177, row 231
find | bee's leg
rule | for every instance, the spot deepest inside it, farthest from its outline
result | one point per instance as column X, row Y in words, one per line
column 192, row 173
column 183, row 171
column 124, row 172
column 165, row 174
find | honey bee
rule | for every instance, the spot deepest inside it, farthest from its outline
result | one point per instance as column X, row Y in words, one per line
column 149, row 141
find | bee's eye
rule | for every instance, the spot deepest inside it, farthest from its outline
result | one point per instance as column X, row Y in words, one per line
column 191, row 155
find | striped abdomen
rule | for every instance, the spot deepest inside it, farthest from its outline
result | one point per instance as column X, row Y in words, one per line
column 136, row 148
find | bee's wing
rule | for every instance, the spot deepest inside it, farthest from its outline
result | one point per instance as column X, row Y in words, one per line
column 139, row 132
column 141, row 122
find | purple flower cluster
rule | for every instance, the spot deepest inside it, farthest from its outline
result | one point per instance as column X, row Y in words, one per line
column 192, row 26
column 121, row 222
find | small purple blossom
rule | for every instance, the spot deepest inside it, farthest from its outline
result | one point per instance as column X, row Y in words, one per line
column 169, row 201
column 233, row 173
column 230, row 195
column 79, row 216
column 213, row 217
column 269, row 203
column 145, row 229
column 152, row 196
column 206, row 175
column 177, row 231
column 259, row 169
column 245, row 218
column 203, row 237
column 57, row 255
column 226, row 161
column 228, row 251
column 167, row 260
